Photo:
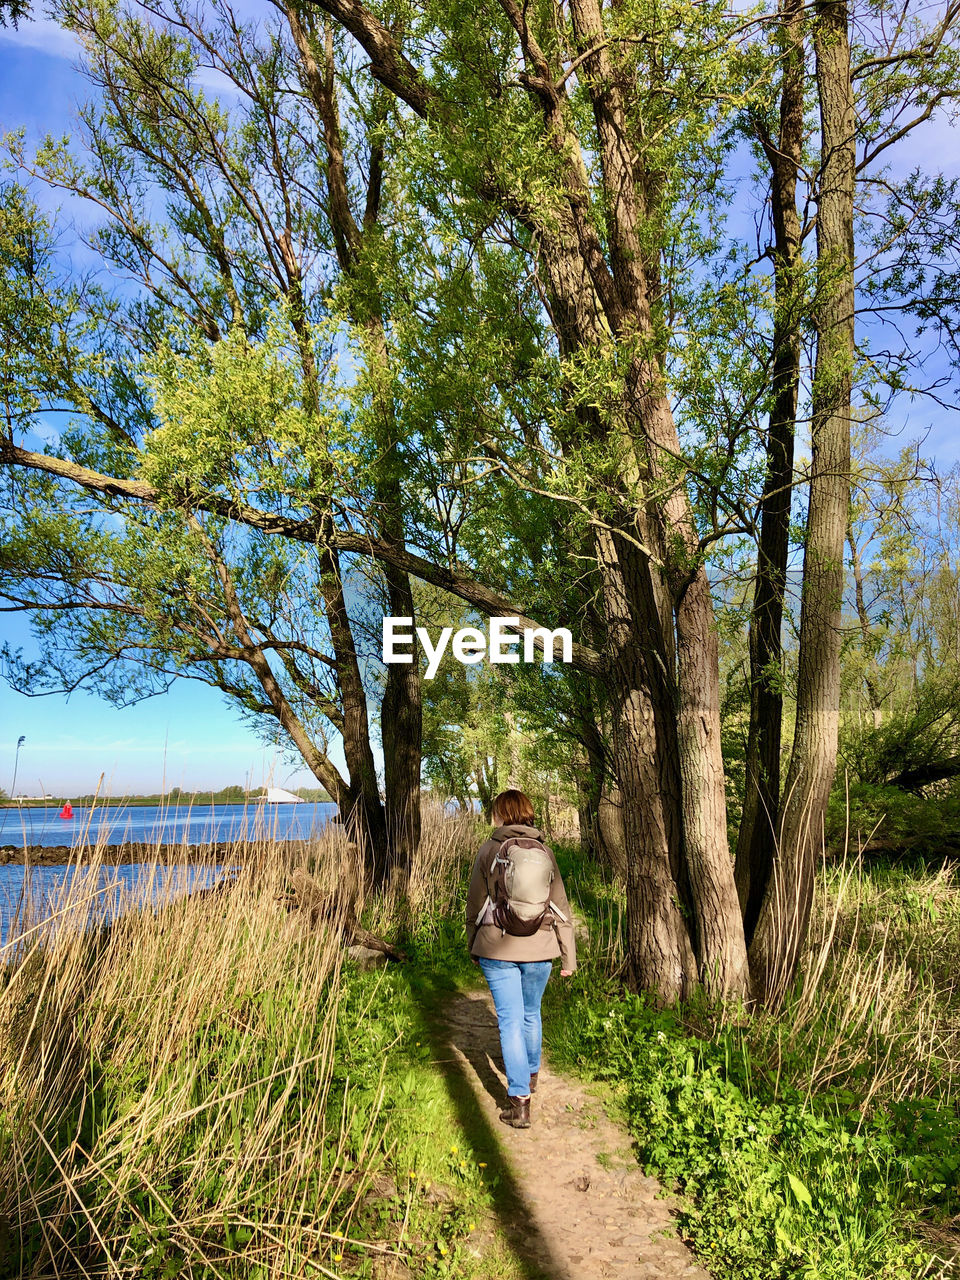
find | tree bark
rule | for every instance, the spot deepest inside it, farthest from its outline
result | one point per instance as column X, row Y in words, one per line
column 597, row 292
column 717, row 931
column 660, row 953
column 610, row 826
column 761, row 805
column 599, row 802
column 401, row 732
column 784, row 914
column 866, row 634
column 363, row 813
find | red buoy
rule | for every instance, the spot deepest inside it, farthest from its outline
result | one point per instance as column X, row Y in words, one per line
column 67, row 810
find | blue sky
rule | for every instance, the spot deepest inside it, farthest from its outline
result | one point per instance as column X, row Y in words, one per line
column 189, row 737
column 186, row 738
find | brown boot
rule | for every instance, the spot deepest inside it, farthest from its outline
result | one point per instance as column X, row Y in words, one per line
column 516, row 1112
column 534, row 1077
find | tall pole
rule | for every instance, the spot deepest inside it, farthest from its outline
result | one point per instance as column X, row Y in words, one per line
column 16, row 764
column 13, row 786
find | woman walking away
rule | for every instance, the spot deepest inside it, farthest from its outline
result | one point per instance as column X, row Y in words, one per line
column 518, row 922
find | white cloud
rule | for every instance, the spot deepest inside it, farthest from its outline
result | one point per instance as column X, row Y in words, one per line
column 214, row 83
column 44, row 35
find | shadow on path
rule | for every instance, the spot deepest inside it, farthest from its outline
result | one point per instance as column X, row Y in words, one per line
column 447, row 1016
column 569, row 1194
column 481, row 1046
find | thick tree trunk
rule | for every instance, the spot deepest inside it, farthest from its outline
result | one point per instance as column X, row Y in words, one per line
column 613, row 843
column 784, row 915
column 761, row 805
column 599, row 296
column 600, row 804
column 717, row 924
column 678, row 681
column 660, row 954
column 401, row 709
column 720, row 939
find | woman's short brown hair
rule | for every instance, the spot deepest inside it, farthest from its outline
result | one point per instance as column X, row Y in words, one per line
column 512, row 808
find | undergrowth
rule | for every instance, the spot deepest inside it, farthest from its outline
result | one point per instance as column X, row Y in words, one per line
column 209, row 1089
column 822, row 1141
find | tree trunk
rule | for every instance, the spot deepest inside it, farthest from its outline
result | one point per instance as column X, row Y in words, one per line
column 761, row 804
column 599, row 295
column 363, row 813
column 660, row 954
column 600, row 803
column 401, row 712
column 610, row 826
column 401, row 732
column 784, row 915
column 717, row 923
column 866, row 631
column 721, row 946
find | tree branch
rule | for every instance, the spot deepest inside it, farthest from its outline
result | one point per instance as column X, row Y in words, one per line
column 448, row 578
column 387, row 64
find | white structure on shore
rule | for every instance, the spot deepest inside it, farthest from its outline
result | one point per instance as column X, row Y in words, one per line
column 276, row 795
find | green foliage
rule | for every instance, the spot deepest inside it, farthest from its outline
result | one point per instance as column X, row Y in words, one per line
column 13, row 12
column 796, row 1144
column 49, row 346
column 229, row 415
column 487, row 727
column 899, row 783
column 791, row 1146
column 885, row 817
column 923, row 735
column 775, row 1185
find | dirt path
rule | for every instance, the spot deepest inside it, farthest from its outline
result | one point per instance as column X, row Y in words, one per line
column 580, row 1209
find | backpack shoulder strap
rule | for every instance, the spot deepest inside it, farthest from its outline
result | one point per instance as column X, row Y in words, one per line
column 504, row 844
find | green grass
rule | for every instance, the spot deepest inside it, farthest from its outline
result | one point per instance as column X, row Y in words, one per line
column 440, row 1184
column 208, row 1091
column 821, row 1142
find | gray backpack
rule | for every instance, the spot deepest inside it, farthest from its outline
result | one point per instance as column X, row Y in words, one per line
column 521, row 875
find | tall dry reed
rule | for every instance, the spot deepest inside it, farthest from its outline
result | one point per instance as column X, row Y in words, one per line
column 167, row 1083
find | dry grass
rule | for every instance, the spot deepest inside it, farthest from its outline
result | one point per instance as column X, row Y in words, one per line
column 871, row 1010
column 168, row 1085
column 876, row 1007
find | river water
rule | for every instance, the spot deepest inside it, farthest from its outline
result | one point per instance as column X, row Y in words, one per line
column 163, row 824
column 109, row 890
column 101, row 895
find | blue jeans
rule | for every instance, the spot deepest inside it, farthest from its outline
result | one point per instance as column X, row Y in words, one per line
column 517, row 988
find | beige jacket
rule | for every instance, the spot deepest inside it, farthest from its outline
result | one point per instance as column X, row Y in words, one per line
column 486, row 940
